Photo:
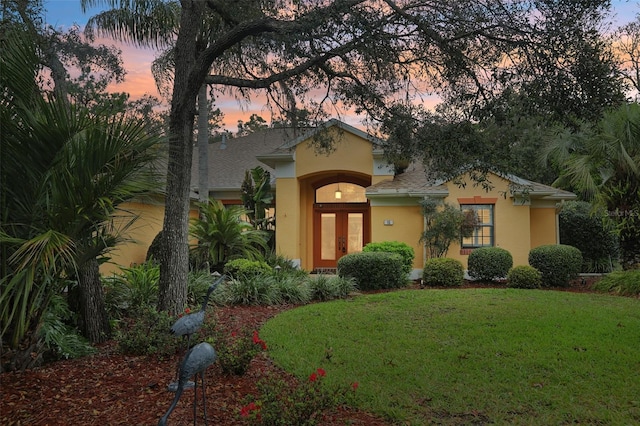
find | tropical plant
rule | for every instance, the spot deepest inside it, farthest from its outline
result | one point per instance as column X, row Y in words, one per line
column 132, row 289
column 60, row 214
column 601, row 162
column 257, row 197
column 222, row 235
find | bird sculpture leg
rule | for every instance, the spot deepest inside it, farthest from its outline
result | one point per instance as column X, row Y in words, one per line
column 195, row 400
column 204, row 399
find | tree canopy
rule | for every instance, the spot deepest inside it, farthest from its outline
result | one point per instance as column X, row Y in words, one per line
column 359, row 54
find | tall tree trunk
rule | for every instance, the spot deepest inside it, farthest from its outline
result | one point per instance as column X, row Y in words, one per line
column 93, row 311
column 203, row 146
column 188, row 78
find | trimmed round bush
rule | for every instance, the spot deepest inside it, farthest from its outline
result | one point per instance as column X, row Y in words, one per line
column 397, row 247
column 245, row 268
column 373, row 270
column 489, row 263
column 558, row 263
column 443, row 271
column 524, row 276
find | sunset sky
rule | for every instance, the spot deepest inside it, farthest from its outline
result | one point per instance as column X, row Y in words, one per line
column 137, row 61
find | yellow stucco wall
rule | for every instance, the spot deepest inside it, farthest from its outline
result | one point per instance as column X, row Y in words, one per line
column 352, row 153
column 288, row 219
column 511, row 220
column 407, row 227
column 142, row 232
column 295, row 196
column 543, row 226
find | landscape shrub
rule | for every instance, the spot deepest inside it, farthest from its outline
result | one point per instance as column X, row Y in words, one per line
column 132, row 289
column 198, row 283
column 329, row 287
column 147, row 333
column 400, row 248
column 282, row 402
column 235, row 349
column 489, row 263
column 61, row 339
column 253, row 290
column 592, row 232
column 373, row 270
column 443, row 271
column 291, row 289
column 524, row 276
column 558, row 263
column 244, row 268
column 623, row 283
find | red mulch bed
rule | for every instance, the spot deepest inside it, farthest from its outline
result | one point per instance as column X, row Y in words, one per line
column 113, row 389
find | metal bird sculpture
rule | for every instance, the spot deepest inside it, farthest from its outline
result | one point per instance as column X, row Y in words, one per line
column 189, row 324
column 195, row 363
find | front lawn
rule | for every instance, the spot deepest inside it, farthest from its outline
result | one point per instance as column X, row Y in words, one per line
column 497, row 356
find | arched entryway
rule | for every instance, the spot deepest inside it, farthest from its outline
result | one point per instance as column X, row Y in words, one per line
column 341, row 219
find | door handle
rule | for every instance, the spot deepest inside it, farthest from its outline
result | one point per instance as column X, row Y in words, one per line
column 343, row 244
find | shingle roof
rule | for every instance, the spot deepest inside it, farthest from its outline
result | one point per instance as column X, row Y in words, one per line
column 415, row 183
column 228, row 161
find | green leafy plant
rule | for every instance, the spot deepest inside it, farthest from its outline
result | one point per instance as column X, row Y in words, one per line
column 132, row 289
column 254, row 290
column 444, row 224
column 245, row 268
column 400, row 248
column 623, row 283
column 291, row 288
column 558, row 263
column 329, row 287
column 236, row 350
column 524, row 276
column 443, row 271
column 62, row 340
column 222, row 235
column 373, row 270
column 257, row 197
column 592, row 232
column 282, row 402
column 147, row 333
column 489, row 263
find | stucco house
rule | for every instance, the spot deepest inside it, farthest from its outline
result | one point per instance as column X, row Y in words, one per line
column 328, row 205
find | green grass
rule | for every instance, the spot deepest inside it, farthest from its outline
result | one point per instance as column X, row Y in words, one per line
column 499, row 356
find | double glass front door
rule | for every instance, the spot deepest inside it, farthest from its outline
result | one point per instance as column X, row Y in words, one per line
column 338, row 232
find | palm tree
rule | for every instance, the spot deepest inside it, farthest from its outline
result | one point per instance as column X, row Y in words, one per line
column 64, row 173
column 601, row 162
column 222, row 234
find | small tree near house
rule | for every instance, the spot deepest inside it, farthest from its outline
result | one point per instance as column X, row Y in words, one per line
column 444, row 223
